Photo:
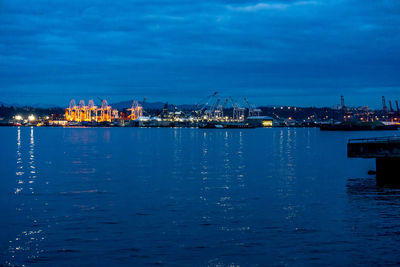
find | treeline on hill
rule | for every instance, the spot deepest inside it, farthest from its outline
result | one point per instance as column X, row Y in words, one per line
column 6, row 113
column 299, row 113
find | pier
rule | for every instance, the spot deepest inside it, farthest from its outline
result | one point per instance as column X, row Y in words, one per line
column 386, row 151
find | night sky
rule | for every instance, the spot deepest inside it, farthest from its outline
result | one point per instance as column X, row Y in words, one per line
column 304, row 53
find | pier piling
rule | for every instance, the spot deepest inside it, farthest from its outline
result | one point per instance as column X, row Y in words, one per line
column 386, row 151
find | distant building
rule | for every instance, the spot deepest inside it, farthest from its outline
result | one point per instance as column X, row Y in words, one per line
column 261, row 121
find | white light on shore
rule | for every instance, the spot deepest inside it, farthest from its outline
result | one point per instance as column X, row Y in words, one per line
column 18, row 117
column 31, row 118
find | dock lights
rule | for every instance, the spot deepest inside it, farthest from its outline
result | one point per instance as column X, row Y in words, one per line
column 18, row 118
column 31, row 118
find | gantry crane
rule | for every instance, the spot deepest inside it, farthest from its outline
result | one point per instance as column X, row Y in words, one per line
column 253, row 111
column 203, row 104
column 83, row 113
column 238, row 111
column 136, row 111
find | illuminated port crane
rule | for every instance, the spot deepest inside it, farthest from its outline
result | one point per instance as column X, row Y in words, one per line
column 210, row 113
column 82, row 110
column 202, row 105
column 219, row 110
column 83, row 113
column 105, row 112
column 253, row 111
column 136, row 111
column 91, row 111
column 238, row 111
column 216, row 111
column 70, row 112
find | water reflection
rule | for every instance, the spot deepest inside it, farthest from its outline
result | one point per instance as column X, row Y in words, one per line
column 25, row 247
column 224, row 180
column 290, row 152
column 177, row 151
column 32, row 167
column 367, row 189
column 179, row 196
column 82, row 136
column 287, row 189
column 373, row 214
column 20, row 164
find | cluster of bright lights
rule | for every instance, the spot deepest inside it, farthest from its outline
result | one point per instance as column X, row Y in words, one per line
column 18, row 118
column 267, row 123
column 31, row 118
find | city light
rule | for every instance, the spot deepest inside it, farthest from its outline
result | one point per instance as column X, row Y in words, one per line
column 18, row 117
column 31, row 118
column 267, row 123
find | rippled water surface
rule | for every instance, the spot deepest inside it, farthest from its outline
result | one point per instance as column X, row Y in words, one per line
column 80, row 196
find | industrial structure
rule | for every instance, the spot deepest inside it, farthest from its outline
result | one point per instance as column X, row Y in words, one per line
column 253, row 111
column 210, row 111
column 136, row 111
column 104, row 113
column 89, row 113
column 212, row 108
column 384, row 107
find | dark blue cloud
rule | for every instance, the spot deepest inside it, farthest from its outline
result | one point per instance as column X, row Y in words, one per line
column 295, row 52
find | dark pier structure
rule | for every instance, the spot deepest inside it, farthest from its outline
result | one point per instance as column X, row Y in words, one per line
column 386, row 150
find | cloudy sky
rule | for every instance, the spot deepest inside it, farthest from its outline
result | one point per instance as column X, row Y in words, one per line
column 305, row 52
